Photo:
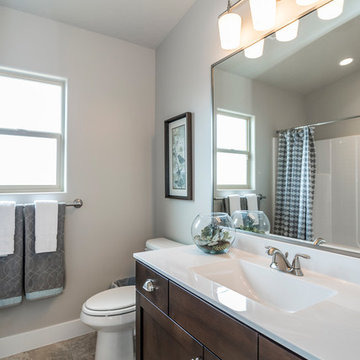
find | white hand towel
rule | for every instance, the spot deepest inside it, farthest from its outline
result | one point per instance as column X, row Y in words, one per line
column 234, row 203
column 252, row 202
column 46, row 226
column 7, row 227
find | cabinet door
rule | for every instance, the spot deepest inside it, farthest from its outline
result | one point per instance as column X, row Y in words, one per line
column 269, row 350
column 160, row 338
column 226, row 337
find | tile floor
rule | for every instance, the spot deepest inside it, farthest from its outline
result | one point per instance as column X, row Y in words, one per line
column 79, row 348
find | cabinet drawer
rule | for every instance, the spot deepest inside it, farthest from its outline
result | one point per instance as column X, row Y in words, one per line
column 157, row 289
column 271, row 351
column 225, row 337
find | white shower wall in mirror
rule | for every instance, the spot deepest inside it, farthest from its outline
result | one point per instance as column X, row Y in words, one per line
column 337, row 200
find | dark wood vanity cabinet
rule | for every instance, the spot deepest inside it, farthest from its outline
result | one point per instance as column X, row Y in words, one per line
column 172, row 323
column 268, row 350
column 226, row 337
column 160, row 337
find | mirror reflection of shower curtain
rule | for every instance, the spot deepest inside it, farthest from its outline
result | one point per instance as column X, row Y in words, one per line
column 295, row 184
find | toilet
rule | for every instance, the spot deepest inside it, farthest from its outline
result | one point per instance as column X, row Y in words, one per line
column 112, row 314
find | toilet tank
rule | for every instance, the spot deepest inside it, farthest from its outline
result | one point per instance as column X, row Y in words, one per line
column 161, row 243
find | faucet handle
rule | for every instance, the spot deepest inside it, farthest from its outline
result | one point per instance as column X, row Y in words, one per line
column 270, row 250
column 305, row 256
column 318, row 241
column 296, row 264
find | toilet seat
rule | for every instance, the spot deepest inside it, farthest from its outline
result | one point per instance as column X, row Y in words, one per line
column 111, row 302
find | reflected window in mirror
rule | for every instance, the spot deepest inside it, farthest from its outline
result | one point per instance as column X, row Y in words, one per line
column 233, row 152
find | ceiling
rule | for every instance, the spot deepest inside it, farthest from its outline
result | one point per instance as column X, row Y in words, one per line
column 317, row 65
column 143, row 22
column 309, row 62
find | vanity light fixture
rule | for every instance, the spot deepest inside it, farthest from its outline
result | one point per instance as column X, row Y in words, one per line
column 331, row 10
column 229, row 29
column 306, row 2
column 288, row 33
column 263, row 13
column 255, row 51
column 346, row 61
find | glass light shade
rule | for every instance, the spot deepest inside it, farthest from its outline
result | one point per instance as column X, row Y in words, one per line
column 263, row 13
column 306, row 2
column 229, row 30
column 288, row 33
column 346, row 61
column 255, row 51
column 331, row 10
column 213, row 233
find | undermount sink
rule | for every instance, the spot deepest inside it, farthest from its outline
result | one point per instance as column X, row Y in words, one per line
column 264, row 285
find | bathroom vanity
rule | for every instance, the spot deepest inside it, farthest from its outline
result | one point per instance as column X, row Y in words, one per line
column 172, row 321
column 191, row 305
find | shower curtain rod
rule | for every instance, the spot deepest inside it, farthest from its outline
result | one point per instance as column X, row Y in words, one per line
column 321, row 123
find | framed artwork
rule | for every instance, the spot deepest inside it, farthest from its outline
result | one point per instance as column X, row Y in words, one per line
column 178, row 157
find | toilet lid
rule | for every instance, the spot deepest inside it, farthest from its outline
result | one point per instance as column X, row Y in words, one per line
column 112, row 299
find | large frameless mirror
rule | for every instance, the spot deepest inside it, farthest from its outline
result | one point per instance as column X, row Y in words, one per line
column 286, row 149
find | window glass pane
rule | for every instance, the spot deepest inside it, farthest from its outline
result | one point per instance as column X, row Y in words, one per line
column 232, row 133
column 30, row 105
column 231, row 169
column 27, row 160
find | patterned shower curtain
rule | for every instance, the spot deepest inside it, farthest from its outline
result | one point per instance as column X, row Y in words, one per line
column 295, row 184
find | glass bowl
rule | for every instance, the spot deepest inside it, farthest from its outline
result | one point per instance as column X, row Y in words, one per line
column 213, row 233
column 253, row 221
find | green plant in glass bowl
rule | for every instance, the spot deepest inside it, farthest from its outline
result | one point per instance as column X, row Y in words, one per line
column 213, row 233
column 251, row 220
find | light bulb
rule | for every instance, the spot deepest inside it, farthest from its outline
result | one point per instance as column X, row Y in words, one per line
column 306, row 2
column 331, row 10
column 255, row 51
column 263, row 13
column 229, row 30
column 346, row 61
column 288, row 33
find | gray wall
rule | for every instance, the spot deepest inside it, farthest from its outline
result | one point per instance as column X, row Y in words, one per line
column 336, row 101
column 110, row 129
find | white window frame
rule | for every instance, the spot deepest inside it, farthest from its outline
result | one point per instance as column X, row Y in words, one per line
column 59, row 137
column 224, row 190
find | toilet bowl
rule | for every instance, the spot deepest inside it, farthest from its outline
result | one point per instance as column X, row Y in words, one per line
column 112, row 314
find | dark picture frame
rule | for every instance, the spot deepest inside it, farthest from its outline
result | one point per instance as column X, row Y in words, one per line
column 178, row 157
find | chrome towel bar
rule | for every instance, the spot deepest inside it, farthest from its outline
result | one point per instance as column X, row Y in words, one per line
column 77, row 203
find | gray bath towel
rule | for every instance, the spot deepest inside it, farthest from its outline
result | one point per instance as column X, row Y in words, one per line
column 11, row 266
column 44, row 272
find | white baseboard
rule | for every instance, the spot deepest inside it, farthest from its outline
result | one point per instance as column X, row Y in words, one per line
column 14, row 344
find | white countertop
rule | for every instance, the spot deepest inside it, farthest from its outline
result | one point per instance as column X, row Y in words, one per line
column 329, row 330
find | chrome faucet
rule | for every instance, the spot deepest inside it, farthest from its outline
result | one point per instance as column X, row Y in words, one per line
column 280, row 261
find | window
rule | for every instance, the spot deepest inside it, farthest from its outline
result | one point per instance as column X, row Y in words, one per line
column 233, row 163
column 32, row 114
